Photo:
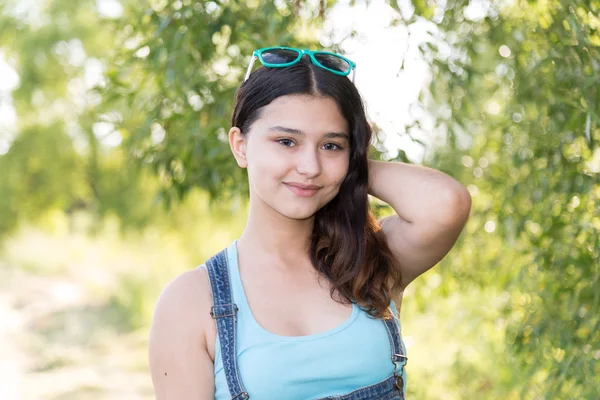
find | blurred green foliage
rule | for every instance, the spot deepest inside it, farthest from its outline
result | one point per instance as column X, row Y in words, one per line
column 516, row 91
column 56, row 159
column 511, row 312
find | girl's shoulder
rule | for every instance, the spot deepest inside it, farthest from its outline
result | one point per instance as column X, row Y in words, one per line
column 180, row 307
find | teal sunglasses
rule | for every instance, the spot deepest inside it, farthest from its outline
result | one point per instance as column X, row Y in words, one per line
column 279, row 57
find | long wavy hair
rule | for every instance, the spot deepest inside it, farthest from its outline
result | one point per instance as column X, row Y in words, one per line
column 347, row 244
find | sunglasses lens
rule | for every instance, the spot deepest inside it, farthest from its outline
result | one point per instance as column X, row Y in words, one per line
column 333, row 62
column 279, row 56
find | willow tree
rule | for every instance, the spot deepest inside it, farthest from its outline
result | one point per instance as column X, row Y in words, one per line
column 515, row 91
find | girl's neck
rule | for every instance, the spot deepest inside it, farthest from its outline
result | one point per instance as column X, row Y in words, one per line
column 268, row 232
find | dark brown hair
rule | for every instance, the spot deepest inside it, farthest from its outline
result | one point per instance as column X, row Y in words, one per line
column 347, row 245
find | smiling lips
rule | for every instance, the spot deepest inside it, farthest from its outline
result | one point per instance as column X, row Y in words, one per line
column 302, row 190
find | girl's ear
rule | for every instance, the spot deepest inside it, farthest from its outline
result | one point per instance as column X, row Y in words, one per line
column 237, row 142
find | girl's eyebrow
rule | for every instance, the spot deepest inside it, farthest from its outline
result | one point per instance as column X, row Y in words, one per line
column 293, row 131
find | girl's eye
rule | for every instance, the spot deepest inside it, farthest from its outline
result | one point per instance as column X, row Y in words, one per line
column 286, row 142
column 332, row 146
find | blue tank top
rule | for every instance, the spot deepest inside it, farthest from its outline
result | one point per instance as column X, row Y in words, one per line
column 352, row 355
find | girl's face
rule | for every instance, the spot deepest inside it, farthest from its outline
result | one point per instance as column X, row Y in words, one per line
column 297, row 154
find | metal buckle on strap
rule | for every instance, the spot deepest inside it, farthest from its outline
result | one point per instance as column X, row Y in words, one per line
column 399, row 382
column 399, row 357
column 223, row 310
column 242, row 396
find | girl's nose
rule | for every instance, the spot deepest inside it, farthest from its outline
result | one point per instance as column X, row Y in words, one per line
column 308, row 163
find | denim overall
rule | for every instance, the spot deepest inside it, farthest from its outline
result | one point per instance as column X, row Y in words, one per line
column 224, row 312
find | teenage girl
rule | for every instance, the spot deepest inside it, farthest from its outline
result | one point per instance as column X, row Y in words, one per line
column 300, row 305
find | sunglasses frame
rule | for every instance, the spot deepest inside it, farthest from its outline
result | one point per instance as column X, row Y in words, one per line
column 301, row 52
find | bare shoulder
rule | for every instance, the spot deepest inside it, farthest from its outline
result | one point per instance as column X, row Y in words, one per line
column 187, row 292
column 180, row 365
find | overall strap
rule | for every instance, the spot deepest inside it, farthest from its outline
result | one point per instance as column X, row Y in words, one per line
column 399, row 357
column 224, row 311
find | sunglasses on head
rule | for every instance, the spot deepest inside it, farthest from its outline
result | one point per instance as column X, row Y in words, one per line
column 278, row 57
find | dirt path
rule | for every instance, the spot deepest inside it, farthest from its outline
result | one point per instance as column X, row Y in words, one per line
column 56, row 343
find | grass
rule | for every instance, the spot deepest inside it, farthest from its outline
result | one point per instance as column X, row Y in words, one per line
column 83, row 303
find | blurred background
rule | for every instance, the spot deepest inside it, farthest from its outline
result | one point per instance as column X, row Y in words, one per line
column 115, row 176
